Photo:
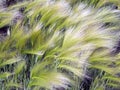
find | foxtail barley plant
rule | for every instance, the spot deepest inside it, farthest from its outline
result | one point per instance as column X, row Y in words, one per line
column 52, row 45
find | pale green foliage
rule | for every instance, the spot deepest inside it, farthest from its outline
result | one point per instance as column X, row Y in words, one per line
column 53, row 44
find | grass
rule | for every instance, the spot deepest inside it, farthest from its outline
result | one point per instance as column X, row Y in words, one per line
column 54, row 44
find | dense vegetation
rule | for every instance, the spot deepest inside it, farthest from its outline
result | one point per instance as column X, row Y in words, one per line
column 59, row 45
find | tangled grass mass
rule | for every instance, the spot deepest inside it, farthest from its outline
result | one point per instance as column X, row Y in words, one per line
column 59, row 45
